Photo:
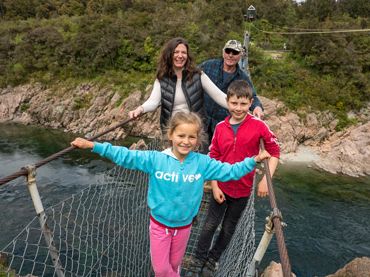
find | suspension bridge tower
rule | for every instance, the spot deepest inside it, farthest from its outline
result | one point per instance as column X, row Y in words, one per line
column 249, row 16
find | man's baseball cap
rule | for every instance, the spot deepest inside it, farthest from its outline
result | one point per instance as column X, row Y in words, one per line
column 234, row 44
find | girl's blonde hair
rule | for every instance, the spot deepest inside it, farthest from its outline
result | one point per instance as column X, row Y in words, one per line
column 189, row 118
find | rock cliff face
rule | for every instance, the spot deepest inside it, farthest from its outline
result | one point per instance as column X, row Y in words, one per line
column 346, row 152
column 89, row 110
column 86, row 110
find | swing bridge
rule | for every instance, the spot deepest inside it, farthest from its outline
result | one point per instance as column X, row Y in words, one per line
column 102, row 230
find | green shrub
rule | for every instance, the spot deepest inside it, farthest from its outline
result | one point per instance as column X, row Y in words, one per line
column 24, row 107
column 82, row 102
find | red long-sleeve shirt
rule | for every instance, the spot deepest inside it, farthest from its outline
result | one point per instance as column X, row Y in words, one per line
column 229, row 147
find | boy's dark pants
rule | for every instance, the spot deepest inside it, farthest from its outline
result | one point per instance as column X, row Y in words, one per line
column 230, row 211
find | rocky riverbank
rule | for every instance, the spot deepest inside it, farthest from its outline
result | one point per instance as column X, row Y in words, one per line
column 359, row 267
column 308, row 137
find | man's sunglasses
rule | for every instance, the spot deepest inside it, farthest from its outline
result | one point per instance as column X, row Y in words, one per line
column 234, row 52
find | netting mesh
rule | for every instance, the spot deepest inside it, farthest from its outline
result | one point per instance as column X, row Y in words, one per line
column 239, row 253
column 103, row 231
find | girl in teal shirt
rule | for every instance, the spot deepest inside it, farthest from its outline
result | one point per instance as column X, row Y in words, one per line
column 176, row 178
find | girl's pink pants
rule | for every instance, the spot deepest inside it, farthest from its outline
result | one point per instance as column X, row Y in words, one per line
column 167, row 248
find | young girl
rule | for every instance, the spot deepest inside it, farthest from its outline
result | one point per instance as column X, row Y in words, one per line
column 176, row 178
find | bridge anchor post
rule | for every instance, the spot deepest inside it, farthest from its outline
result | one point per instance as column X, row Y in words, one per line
column 262, row 247
column 48, row 234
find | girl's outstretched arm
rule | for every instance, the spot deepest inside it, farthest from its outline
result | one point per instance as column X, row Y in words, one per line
column 82, row 143
column 216, row 170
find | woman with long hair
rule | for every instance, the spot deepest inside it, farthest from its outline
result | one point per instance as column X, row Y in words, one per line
column 179, row 84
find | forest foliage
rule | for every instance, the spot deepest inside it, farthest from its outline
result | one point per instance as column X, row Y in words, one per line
column 117, row 42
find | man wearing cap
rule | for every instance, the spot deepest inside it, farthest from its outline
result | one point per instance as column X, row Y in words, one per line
column 222, row 72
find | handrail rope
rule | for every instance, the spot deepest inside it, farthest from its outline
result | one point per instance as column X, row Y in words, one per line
column 276, row 219
column 23, row 171
column 287, row 28
column 313, row 32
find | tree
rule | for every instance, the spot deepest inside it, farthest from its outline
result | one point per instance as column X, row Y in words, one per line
column 2, row 8
column 355, row 8
column 319, row 9
column 20, row 9
column 277, row 12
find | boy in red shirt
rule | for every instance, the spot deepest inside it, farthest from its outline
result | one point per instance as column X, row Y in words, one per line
column 234, row 139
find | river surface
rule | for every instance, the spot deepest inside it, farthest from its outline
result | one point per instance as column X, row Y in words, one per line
column 327, row 215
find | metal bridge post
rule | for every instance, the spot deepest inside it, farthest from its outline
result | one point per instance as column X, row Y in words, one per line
column 36, row 199
column 244, row 60
column 262, row 247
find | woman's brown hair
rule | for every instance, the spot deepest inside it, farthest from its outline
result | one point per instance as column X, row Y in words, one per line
column 165, row 61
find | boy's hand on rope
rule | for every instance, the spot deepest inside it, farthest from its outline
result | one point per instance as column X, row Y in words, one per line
column 263, row 188
column 218, row 195
column 82, row 143
column 261, row 156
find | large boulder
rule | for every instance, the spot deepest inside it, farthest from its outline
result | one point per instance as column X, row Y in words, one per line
column 274, row 270
column 347, row 152
column 14, row 103
column 359, row 267
column 295, row 129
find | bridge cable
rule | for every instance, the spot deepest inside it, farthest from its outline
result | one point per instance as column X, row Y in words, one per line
column 24, row 172
column 276, row 219
column 313, row 32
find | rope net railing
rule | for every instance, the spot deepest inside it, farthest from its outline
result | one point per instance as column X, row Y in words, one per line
column 103, row 231
column 239, row 253
column 100, row 231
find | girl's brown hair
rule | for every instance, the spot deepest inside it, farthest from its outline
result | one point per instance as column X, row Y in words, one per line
column 165, row 61
column 189, row 118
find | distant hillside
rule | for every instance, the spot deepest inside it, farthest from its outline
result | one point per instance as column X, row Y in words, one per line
column 117, row 42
